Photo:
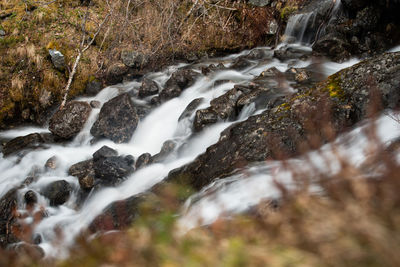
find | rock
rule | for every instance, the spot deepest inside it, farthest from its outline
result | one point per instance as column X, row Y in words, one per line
column 225, row 105
column 58, row 59
column 30, row 198
column 69, row 121
column 117, row 120
column 166, row 149
column 104, row 152
column 212, row 68
column 148, row 88
column 57, row 192
column 51, row 163
column 240, row 63
column 133, row 59
column 258, row 53
column 8, row 207
column 273, row 27
column 191, row 108
column 333, row 46
column 112, row 170
column 204, row 117
column 143, row 160
column 84, row 170
column 179, row 81
column 95, row 104
column 130, row 160
column 30, row 141
column 2, row 33
column 115, row 73
column 93, row 88
column 291, row 52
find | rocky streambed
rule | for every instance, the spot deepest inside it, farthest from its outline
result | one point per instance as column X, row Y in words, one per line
column 191, row 124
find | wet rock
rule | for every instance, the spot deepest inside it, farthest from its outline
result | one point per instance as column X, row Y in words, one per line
column 203, row 118
column 241, row 63
column 112, row 170
column 30, row 198
column 258, row 53
column 225, row 105
column 191, row 108
column 148, row 88
column 143, row 160
column 155, row 101
column 166, row 149
column 84, row 170
column 69, row 121
column 58, row 192
column 333, row 46
column 179, row 81
column 212, row 68
column 58, row 59
column 104, row 152
column 93, row 88
column 292, row 52
column 51, row 163
column 95, row 104
column 142, row 111
column 8, row 207
column 117, row 120
column 130, row 160
column 30, row 141
column 133, row 59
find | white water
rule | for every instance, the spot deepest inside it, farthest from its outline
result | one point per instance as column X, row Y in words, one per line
column 157, row 127
column 242, row 191
column 298, row 26
column 233, row 194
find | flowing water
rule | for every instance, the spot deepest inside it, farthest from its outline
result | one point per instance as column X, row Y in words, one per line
column 234, row 194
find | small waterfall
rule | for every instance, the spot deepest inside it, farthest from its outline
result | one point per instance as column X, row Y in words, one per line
column 308, row 26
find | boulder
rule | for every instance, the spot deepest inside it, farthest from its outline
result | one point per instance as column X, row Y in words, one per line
column 117, row 120
column 69, row 121
column 115, row 73
column 148, row 88
column 30, row 198
column 179, row 81
column 104, row 152
column 95, row 104
column 166, row 149
column 57, row 192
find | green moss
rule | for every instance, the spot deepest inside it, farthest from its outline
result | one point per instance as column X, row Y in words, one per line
column 333, row 86
column 287, row 11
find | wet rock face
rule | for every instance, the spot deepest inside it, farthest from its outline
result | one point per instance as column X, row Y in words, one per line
column 69, row 121
column 179, row 81
column 58, row 192
column 148, row 88
column 93, row 88
column 343, row 99
column 204, row 117
column 117, row 120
